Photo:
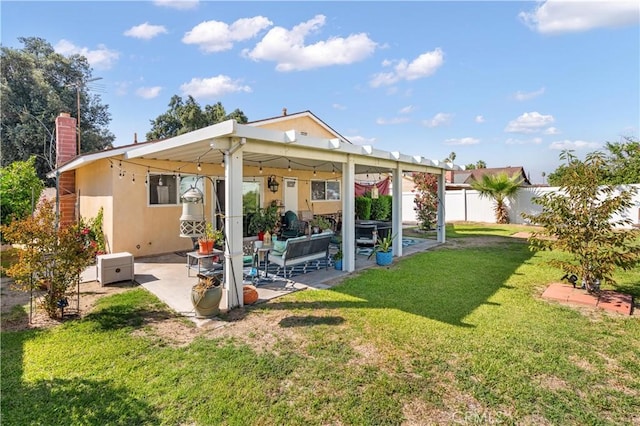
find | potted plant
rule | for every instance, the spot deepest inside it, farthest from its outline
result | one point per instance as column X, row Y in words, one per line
column 337, row 259
column 382, row 250
column 206, row 295
column 209, row 239
column 264, row 219
column 319, row 224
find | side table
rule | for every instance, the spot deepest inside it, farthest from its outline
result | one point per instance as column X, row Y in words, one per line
column 195, row 259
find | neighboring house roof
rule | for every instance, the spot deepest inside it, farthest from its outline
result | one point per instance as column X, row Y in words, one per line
column 461, row 177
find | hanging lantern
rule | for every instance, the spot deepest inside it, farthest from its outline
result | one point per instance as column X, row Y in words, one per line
column 192, row 223
column 273, row 184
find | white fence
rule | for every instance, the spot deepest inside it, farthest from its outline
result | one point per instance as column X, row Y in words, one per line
column 466, row 205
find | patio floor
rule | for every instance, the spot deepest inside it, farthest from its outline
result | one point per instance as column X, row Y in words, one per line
column 166, row 277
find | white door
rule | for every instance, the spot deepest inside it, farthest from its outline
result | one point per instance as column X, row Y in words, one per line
column 291, row 194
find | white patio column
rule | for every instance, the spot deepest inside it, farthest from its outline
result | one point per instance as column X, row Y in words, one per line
column 441, row 200
column 233, row 175
column 349, row 215
column 396, row 210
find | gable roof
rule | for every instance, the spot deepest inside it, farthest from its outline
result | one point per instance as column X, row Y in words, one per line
column 287, row 117
column 467, row 176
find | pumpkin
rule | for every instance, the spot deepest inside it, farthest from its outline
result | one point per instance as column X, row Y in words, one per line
column 250, row 295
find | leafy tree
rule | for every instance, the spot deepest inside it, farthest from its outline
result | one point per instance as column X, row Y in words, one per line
column 580, row 220
column 426, row 199
column 622, row 165
column 51, row 257
column 623, row 162
column 20, row 187
column 498, row 187
column 37, row 84
column 186, row 116
column 480, row 164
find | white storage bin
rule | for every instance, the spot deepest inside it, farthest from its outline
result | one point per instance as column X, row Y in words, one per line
column 114, row 267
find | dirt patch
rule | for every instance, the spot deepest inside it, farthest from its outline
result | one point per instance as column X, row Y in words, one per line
column 15, row 304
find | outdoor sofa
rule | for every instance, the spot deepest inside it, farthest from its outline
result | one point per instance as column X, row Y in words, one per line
column 301, row 250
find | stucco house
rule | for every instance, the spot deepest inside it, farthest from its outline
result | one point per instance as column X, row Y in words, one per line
column 139, row 186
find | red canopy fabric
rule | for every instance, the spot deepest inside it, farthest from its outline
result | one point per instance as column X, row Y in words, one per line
column 383, row 187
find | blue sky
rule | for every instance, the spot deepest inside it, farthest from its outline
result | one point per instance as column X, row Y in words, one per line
column 510, row 83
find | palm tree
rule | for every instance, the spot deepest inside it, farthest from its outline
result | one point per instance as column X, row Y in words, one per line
column 499, row 187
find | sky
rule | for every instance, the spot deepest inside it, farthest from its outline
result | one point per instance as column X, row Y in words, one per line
column 508, row 83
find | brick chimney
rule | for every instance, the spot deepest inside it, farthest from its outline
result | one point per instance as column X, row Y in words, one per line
column 66, row 146
column 448, row 176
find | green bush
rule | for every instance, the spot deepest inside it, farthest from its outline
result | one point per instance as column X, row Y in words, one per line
column 363, row 208
column 19, row 186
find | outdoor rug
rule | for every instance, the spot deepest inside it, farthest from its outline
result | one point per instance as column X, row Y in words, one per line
column 366, row 251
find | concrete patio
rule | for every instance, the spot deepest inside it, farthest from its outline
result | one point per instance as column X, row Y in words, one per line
column 166, row 276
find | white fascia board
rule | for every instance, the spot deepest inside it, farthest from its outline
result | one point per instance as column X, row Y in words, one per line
column 86, row 159
column 226, row 128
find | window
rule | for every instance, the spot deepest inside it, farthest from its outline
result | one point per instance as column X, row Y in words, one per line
column 166, row 189
column 325, row 190
column 250, row 196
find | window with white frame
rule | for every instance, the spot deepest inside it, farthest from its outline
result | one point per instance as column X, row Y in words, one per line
column 166, row 189
column 327, row 190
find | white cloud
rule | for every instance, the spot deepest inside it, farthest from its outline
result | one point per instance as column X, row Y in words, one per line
column 339, row 106
column 287, row 48
column 551, row 131
column 145, row 31
column 514, row 141
column 567, row 144
column 395, row 120
column 122, row 88
column 148, row 92
column 213, row 87
column 407, row 110
column 440, row 119
column 177, row 4
column 361, row 140
column 100, row 58
column 479, row 119
column 423, row 66
column 525, row 96
column 217, row 36
column 560, row 16
column 462, row 141
column 529, row 122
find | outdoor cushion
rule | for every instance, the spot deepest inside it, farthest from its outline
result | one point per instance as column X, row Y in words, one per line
column 279, row 247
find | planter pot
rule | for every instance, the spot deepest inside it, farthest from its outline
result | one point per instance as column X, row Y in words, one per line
column 207, row 304
column 206, row 247
column 384, row 258
column 338, row 265
column 249, row 295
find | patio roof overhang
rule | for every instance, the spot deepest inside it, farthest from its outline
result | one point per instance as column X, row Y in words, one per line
column 280, row 149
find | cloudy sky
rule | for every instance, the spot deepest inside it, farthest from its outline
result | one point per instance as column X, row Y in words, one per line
column 509, row 83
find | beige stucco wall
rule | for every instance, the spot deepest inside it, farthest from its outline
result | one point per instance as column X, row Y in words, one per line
column 301, row 125
column 131, row 225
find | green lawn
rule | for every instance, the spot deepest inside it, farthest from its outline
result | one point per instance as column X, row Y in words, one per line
column 449, row 336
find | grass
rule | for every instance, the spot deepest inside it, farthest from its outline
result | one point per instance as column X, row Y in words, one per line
column 450, row 336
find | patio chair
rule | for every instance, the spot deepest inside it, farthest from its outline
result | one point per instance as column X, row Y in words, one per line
column 366, row 235
column 292, row 226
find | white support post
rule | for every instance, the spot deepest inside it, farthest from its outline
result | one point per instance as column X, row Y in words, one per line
column 348, row 215
column 441, row 219
column 233, row 294
column 396, row 210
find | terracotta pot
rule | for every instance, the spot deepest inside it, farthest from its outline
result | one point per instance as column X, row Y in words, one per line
column 206, row 246
column 249, row 295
